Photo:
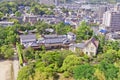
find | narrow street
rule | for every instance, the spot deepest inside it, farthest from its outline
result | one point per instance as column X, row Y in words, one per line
column 15, row 66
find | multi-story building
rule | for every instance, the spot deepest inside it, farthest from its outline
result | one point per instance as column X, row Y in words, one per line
column 49, row 2
column 111, row 20
column 101, row 11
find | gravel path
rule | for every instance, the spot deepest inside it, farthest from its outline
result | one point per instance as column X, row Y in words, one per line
column 6, row 70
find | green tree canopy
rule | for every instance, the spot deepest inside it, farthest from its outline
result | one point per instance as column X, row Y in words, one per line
column 6, row 51
column 84, row 71
column 84, row 32
column 110, row 71
column 1, row 15
column 70, row 62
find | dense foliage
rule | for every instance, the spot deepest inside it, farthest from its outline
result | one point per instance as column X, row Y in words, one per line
column 65, row 64
column 16, row 7
column 8, row 38
column 84, row 32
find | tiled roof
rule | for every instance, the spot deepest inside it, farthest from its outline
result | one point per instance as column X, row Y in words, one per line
column 27, row 38
column 93, row 40
column 54, row 36
column 78, row 45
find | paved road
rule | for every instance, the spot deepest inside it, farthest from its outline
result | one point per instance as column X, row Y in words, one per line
column 15, row 66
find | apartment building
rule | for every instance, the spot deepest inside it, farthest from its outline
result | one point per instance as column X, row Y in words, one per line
column 111, row 20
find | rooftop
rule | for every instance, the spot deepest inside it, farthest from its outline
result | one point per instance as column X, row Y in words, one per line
column 28, row 36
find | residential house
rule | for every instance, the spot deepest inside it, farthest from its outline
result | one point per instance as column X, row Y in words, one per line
column 88, row 47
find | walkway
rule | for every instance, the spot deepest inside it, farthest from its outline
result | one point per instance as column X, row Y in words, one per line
column 15, row 66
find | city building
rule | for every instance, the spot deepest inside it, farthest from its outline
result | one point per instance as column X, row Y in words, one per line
column 111, row 20
column 101, row 11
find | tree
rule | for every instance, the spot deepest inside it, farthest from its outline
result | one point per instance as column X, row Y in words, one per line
column 26, row 72
column 17, row 13
column 110, row 71
column 44, row 71
column 84, row 32
column 28, row 54
column 61, row 28
column 70, row 63
column 7, row 51
column 3, row 35
column 1, row 15
column 99, row 74
column 52, row 57
column 41, row 26
column 109, row 56
column 84, row 71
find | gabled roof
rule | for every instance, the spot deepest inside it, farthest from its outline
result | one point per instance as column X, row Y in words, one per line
column 54, row 36
column 92, row 40
column 78, row 45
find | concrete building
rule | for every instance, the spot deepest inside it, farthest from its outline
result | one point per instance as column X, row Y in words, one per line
column 111, row 20
column 101, row 11
column 49, row 2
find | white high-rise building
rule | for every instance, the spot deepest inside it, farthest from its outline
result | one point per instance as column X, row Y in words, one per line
column 111, row 20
